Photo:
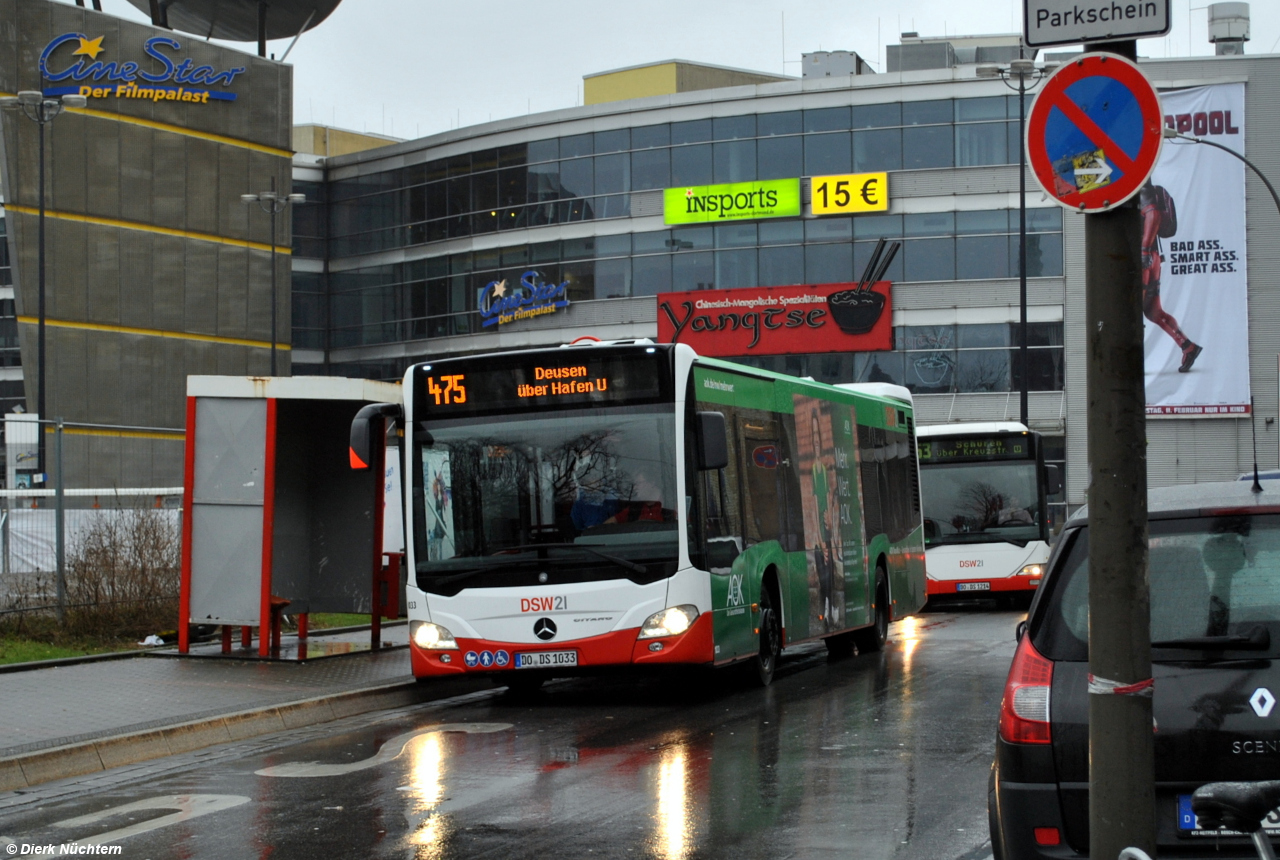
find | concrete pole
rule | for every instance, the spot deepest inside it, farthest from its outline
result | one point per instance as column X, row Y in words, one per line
column 1122, row 808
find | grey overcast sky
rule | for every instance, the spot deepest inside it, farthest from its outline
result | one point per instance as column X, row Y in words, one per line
column 409, row 68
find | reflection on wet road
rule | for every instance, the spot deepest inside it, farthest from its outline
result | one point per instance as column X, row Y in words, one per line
column 876, row 756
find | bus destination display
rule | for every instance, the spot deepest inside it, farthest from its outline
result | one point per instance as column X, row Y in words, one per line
column 461, row 388
column 1005, row 447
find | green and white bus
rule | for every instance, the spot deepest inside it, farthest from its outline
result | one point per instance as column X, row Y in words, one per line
column 635, row 504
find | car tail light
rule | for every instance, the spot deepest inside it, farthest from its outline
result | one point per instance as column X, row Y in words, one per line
column 1024, row 711
column 1048, row 836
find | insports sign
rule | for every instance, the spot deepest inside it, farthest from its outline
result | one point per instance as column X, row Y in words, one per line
column 735, row 201
column 1068, row 22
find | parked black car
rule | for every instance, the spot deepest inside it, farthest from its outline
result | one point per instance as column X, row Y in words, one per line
column 1215, row 630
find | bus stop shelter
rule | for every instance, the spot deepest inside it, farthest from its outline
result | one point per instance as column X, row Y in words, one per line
column 275, row 518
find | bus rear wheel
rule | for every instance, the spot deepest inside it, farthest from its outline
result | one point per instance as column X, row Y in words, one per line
column 766, row 661
column 873, row 638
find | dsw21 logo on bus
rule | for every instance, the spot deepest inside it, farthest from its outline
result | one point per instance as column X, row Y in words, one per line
column 75, row 57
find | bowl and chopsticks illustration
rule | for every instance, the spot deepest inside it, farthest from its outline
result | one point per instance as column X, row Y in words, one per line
column 858, row 310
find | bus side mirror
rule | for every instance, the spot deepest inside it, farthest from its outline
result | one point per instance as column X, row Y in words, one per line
column 713, row 441
column 1052, row 480
column 362, row 431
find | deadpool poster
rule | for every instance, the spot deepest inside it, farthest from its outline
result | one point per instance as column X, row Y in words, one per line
column 1195, row 295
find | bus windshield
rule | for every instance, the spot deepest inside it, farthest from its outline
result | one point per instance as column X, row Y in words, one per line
column 589, row 486
column 981, row 502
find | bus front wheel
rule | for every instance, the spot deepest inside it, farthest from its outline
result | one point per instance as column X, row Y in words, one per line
column 873, row 638
column 766, row 661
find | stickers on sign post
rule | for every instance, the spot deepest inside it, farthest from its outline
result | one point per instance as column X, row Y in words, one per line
column 1094, row 133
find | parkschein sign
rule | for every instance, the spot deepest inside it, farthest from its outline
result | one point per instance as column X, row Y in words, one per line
column 1067, row 22
column 735, row 201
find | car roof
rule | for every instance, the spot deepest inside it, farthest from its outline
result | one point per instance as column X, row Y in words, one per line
column 1200, row 499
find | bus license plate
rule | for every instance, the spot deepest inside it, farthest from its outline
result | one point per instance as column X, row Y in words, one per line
column 973, row 586
column 1189, row 825
column 546, row 659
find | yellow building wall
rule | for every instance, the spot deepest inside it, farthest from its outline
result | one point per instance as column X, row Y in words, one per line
column 325, row 141
column 657, row 80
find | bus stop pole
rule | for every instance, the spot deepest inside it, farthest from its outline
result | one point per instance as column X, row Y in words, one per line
column 1122, row 810
column 60, row 524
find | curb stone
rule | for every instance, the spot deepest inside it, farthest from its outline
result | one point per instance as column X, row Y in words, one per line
column 30, row 769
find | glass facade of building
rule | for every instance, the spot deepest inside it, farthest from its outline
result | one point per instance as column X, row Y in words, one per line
column 591, row 176
column 11, row 390
column 596, row 176
column 940, row 359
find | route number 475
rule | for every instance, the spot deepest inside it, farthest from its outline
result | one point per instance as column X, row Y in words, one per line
column 452, row 392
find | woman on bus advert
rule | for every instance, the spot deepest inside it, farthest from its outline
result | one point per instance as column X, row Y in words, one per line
column 821, row 519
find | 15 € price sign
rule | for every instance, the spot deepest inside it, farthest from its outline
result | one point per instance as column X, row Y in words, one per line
column 851, row 192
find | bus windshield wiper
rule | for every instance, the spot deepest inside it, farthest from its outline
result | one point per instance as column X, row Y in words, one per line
column 437, row 579
column 976, row 537
column 613, row 559
column 1258, row 639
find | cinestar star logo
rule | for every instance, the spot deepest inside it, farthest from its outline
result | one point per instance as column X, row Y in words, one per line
column 544, row 629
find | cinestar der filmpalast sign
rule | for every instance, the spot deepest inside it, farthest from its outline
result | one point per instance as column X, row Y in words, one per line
column 735, row 201
column 1069, row 22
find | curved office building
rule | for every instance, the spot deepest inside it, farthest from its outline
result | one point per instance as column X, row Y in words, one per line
column 399, row 258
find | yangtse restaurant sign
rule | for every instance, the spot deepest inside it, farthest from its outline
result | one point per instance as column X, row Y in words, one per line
column 779, row 320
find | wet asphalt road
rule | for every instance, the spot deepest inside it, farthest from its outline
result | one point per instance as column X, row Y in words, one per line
column 875, row 756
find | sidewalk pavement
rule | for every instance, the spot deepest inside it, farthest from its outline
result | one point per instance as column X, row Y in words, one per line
column 62, row 721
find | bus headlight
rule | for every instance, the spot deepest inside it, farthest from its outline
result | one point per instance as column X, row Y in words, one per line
column 1035, row 571
column 431, row 637
column 671, row 621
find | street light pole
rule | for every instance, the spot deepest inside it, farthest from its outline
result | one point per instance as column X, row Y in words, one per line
column 40, row 410
column 1173, row 133
column 1022, row 249
column 273, row 204
column 1021, row 69
column 41, row 111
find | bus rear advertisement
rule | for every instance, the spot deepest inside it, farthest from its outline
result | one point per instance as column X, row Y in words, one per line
column 630, row 504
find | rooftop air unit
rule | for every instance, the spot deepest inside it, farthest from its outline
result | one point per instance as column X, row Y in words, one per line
column 1229, row 27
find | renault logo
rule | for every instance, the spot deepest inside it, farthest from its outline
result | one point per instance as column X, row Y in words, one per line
column 1262, row 701
column 544, row 629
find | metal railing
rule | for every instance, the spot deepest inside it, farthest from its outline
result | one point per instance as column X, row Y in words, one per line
column 121, row 542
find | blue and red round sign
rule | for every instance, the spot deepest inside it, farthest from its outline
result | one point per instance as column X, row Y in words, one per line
column 1094, row 132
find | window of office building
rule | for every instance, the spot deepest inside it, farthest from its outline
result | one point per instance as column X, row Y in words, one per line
column 438, row 296
column 945, row 359
column 591, row 176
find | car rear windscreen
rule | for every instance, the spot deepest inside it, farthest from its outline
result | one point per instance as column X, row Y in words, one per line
column 1212, row 578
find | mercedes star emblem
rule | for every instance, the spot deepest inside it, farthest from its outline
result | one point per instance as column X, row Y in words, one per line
column 544, row 628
